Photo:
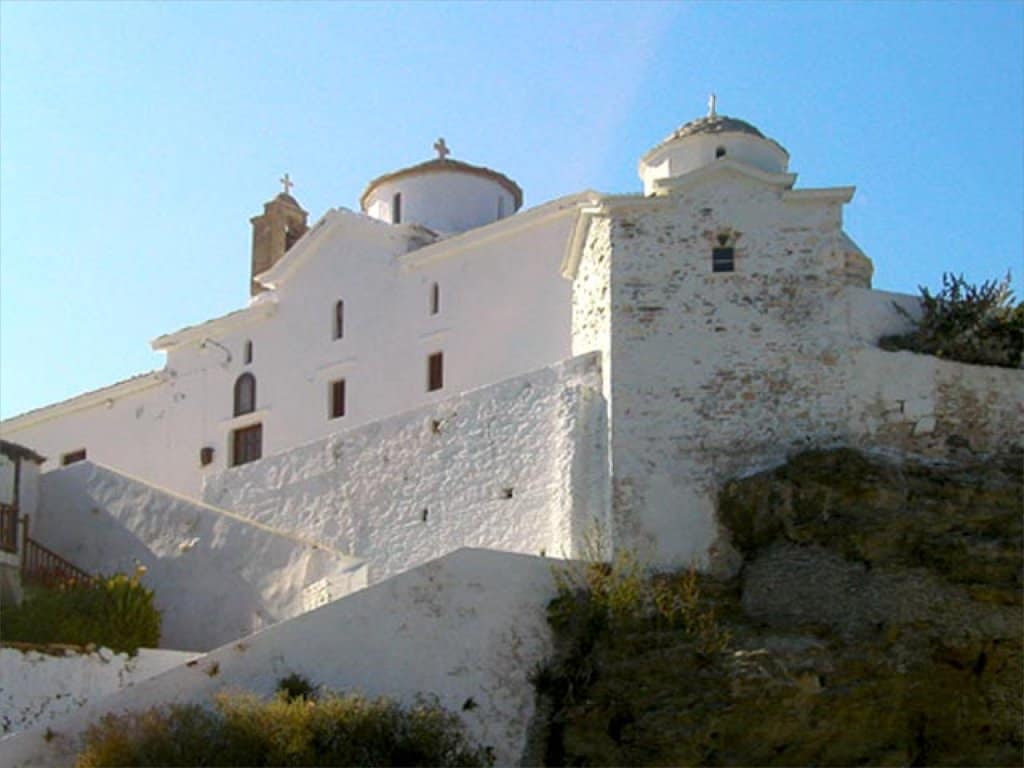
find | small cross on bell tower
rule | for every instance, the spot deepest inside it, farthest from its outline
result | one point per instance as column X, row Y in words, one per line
column 442, row 149
column 287, row 183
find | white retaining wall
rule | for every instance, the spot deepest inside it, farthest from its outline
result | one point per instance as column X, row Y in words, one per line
column 518, row 466
column 37, row 687
column 216, row 576
column 468, row 627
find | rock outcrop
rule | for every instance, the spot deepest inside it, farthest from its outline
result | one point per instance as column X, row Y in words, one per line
column 876, row 620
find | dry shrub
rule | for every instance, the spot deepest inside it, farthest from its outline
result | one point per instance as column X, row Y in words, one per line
column 244, row 730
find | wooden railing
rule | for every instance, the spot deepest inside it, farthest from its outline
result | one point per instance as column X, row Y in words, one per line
column 9, row 527
column 43, row 566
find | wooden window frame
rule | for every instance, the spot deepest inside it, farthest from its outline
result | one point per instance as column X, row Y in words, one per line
column 435, row 372
column 73, row 457
column 245, row 389
column 246, row 444
column 336, row 397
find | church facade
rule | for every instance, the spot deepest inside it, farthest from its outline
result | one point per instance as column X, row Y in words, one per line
column 732, row 317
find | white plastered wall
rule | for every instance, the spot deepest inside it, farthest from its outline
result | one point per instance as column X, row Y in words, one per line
column 469, row 627
column 216, row 576
column 712, row 375
column 518, row 466
column 504, row 310
column 37, row 688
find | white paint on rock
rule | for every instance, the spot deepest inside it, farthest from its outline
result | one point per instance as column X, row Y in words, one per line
column 37, row 688
column 217, row 576
column 471, row 625
column 517, row 466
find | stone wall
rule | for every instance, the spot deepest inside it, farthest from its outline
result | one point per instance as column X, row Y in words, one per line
column 717, row 374
column 468, row 628
column 926, row 405
column 517, row 466
column 38, row 687
column 216, row 576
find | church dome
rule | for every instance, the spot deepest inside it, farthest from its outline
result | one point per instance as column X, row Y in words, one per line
column 444, row 195
column 713, row 124
column 707, row 140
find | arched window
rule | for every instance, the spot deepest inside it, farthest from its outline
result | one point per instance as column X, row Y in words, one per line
column 339, row 319
column 245, row 394
column 396, row 208
column 720, row 152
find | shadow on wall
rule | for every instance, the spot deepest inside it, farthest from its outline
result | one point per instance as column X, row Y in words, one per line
column 216, row 576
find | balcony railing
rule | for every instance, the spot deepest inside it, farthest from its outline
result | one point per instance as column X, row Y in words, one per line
column 43, row 566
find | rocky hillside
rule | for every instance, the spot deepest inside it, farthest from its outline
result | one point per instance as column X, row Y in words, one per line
column 876, row 620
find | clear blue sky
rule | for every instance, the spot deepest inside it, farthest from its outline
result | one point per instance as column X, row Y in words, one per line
column 136, row 140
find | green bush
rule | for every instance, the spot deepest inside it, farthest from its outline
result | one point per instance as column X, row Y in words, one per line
column 112, row 611
column 967, row 323
column 243, row 730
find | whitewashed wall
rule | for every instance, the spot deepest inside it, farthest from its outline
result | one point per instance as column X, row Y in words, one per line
column 931, row 406
column 216, row 576
column 468, row 627
column 504, row 311
column 711, row 374
column 37, row 688
column 518, row 466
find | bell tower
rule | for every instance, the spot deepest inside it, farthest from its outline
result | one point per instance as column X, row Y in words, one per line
column 274, row 231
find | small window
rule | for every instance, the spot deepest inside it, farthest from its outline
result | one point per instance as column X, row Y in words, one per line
column 337, row 396
column 339, row 319
column 72, row 457
column 246, row 444
column 720, row 152
column 723, row 259
column 245, row 394
column 501, row 206
column 396, row 208
column 435, row 372
column 205, row 456
column 247, row 353
column 435, row 298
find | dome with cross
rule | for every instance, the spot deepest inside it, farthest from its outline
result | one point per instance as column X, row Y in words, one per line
column 709, row 139
column 444, row 195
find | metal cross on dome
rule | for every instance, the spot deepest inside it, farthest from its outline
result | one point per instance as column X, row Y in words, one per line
column 287, row 183
column 442, row 149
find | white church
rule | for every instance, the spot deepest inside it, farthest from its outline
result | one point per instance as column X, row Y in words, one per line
column 708, row 324
column 362, row 476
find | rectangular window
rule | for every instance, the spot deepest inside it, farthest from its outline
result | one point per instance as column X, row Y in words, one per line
column 337, row 399
column 435, row 372
column 435, row 298
column 339, row 319
column 246, row 444
column 396, row 208
column 723, row 259
column 72, row 457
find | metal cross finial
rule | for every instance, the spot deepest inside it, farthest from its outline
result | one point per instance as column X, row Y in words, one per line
column 442, row 149
column 711, row 105
column 287, row 183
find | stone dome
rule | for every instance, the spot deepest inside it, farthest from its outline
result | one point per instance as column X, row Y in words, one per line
column 713, row 124
column 706, row 140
